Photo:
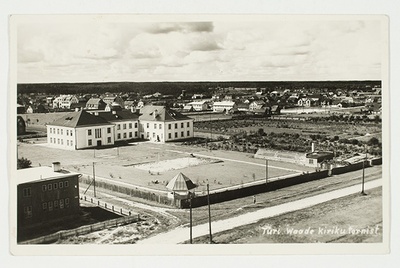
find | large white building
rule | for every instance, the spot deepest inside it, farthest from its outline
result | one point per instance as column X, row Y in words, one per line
column 65, row 101
column 160, row 124
column 199, row 105
column 82, row 129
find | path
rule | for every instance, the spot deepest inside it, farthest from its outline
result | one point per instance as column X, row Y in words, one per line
column 181, row 234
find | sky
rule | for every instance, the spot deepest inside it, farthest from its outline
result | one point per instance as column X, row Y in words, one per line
column 223, row 48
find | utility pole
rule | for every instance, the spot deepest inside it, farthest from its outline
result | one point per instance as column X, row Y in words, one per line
column 363, row 174
column 190, row 216
column 209, row 211
column 266, row 171
column 94, row 182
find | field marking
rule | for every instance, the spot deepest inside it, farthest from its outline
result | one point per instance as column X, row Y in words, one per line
column 249, row 163
column 180, row 234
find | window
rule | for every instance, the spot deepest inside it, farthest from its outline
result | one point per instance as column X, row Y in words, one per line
column 169, row 126
column 109, row 140
column 71, row 143
column 51, row 140
column 70, row 133
column 60, row 185
column 118, row 127
column 49, row 187
column 97, row 133
column 124, row 135
column 51, row 130
column 50, row 205
column 155, row 126
column 61, row 203
column 130, row 134
column 108, row 130
column 176, row 125
column 58, row 141
column 147, row 134
column 44, row 188
column 135, row 125
column 55, row 203
column 66, row 202
column 44, row 206
column 154, row 135
column 130, row 125
column 181, row 125
column 160, row 126
column 58, row 131
column 311, row 161
column 26, row 192
column 169, row 135
column 124, row 126
column 176, row 134
column 61, row 131
column 28, row 212
column 188, row 124
column 188, row 133
column 55, row 186
column 67, row 142
column 66, row 184
column 135, row 133
column 89, row 132
column 119, row 136
column 147, row 125
column 67, row 132
column 90, row 142
column 182, row 135
column 62, row 141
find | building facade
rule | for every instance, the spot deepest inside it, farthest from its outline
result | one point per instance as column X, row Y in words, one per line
column 44, row 195
column 160, row 124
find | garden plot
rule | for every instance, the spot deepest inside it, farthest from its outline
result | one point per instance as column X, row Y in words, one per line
column 174, row 164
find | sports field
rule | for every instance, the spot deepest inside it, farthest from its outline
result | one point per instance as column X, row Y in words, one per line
column 154, row 165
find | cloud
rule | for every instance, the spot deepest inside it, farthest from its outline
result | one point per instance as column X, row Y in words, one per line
column 184, row 27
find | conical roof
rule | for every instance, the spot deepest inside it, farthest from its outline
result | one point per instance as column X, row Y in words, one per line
column 181, row 183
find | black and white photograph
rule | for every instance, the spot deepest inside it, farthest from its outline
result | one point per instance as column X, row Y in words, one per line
column 158, row 131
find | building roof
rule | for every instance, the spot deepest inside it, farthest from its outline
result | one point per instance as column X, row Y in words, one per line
column 160, row 113
column 77, row 119
column 181, row 183
column 320, row 155
column 231, row 103
column 40, row 174
column 118, row 116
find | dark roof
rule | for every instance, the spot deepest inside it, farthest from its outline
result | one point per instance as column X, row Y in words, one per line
column 81, row 118
column 160, row 113
column 118, row 116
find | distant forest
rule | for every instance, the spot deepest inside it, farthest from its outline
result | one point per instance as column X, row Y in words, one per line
column 175, row 88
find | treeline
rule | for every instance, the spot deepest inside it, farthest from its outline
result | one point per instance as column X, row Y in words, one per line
column 175, row 88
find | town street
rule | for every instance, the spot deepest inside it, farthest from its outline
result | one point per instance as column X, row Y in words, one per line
column 181, row 234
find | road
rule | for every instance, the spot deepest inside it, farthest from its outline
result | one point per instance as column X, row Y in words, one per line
column 181, row 234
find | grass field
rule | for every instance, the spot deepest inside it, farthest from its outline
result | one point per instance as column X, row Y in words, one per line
column 356, row 219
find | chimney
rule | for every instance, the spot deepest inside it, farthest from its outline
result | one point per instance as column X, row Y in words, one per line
column 312, row 147
column 155, row 113
column 56, row 166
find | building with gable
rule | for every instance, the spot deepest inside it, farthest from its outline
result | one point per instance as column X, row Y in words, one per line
column 161, row 124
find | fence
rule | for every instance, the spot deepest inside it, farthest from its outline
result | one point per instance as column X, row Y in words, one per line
column 218, row 197
column 104, row 205
column 83, row 230
column 131, row 191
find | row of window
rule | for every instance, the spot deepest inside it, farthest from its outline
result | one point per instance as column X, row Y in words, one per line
column 60, row 131
column 61, row 141
column 176, row 134
column 124, row 126
column 97, row 132
column 55, row 186
column 60, row 203
column 169, row 125
column 125, row 135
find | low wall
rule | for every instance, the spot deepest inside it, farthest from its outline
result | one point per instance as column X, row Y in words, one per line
column 82, row 230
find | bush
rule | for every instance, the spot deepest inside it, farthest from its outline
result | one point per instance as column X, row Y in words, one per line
column 23, row 163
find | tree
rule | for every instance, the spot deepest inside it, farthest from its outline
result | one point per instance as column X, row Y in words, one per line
column 23, row 163
column 373, row 141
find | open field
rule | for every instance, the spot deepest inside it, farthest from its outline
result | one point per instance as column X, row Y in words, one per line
column 356, row 219
column 128, row 164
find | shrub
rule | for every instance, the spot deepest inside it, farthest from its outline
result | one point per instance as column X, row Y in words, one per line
column 23, row 163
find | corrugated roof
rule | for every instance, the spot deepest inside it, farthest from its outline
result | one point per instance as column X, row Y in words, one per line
column 181, row 183
column 160, row 113
column 81, row 118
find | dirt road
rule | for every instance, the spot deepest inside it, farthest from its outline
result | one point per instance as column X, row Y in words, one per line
column 181, row 234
